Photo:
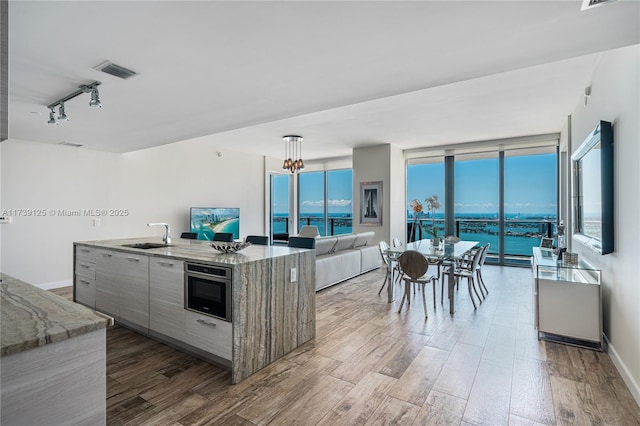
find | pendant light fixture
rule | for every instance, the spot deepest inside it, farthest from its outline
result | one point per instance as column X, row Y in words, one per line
column 292, row 150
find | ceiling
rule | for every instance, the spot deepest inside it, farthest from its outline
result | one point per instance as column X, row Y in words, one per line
column 341, row 74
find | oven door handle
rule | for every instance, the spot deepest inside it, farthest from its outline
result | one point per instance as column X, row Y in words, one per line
column 201, row 321
column 208, row 277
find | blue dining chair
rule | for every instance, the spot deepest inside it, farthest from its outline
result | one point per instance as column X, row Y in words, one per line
column 302, row 242
column 223, row 236
column 261, row 240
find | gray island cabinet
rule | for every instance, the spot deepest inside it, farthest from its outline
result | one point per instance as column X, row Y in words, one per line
column 53, row 360
column 143, row 289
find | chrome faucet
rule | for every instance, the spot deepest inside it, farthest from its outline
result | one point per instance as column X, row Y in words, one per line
column 167, row 237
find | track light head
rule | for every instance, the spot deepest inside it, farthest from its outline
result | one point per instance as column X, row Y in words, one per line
column 52, row 117
column 95, row 98
column 62, row 116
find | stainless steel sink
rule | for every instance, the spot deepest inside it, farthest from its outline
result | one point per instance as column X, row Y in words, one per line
column 146, row 246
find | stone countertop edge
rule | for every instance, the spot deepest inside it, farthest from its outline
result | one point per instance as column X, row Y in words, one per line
column 33, row 317
column 193, row 250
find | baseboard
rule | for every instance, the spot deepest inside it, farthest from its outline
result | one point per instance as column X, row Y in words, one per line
column 57, row 284
column 624, row 371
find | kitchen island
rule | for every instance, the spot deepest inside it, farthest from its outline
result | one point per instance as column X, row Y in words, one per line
column 272, row 297
column 53, row 358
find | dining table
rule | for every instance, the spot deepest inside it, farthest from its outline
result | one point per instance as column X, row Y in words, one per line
column 447, row 252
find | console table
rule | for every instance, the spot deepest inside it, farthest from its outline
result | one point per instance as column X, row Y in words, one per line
column 567, row 300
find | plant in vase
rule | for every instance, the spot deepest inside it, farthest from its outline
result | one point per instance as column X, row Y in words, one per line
column 432, row 205
column 416, row 207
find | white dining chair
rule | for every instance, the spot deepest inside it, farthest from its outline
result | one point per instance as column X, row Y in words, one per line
column 414, row 267
column 483, row 256
column 468, row 270
column 309, row 231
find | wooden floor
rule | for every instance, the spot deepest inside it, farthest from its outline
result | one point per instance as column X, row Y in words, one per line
column 370, row 365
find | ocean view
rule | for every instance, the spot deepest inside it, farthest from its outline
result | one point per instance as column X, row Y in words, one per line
column 522, row 232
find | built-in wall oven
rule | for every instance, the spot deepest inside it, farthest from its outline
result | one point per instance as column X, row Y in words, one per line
column 207, row 289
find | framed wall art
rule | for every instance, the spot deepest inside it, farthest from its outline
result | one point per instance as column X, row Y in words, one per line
column 371, row 203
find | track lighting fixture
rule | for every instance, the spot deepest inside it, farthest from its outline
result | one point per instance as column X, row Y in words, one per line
column 292, row 149
column 63, row 115
column 95, row 99
column 83, row 88
column 52, row 117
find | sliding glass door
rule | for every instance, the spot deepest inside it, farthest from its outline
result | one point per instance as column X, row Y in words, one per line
column 477, row 199
column 530, row 199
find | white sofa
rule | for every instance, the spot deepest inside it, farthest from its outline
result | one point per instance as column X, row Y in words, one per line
column 341, row 257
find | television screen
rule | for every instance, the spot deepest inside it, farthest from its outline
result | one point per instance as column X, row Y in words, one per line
column 206, row 221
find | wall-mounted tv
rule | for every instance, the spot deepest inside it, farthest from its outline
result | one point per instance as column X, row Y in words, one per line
column 206, row 221
column 593, row 189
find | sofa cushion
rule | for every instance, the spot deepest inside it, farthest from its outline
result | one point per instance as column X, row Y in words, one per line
column 344, row 242
column 370, row 258
column 325, row 245
column 363, row 238
column 336, row 267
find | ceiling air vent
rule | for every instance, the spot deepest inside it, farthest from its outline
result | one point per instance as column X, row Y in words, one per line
column 75, row 145
column 116, row 70
column 589, row 4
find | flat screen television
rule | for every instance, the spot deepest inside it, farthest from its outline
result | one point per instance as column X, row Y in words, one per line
column 593, row 189
column 206, row 221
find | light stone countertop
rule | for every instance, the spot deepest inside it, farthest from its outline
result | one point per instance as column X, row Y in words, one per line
column 194, row 250
column 33, row 317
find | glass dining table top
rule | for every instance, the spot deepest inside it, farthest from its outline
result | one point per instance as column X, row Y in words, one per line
column 445, row 251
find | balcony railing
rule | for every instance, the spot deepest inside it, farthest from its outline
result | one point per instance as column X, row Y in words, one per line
column 336, row 225
column 520, row 235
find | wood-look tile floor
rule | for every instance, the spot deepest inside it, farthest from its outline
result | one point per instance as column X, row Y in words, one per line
column 370, row 365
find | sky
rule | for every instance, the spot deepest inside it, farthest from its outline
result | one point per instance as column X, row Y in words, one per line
column 530, row 184
column 339, row 182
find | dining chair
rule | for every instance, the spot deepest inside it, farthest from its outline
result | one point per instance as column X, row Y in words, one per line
column 261, row 240
column 483, row 256
column 302, row 242
column 414, row 268
column 223, row 236
column 468, row 270
column 384, row 246
column 309, row 231
column 189, row 235
column 396, row 242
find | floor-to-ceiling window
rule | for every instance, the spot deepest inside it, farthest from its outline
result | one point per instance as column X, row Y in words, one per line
column 280, row 207
column 477, row 198
column 530, row 198
column 425, row 178
column 325, row 201
column 339, row 202
column 504, row 197
column 311, row 200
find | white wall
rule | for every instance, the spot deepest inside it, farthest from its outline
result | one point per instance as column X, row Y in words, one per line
column 154, row 185
column 615, row 93
column 381, row 163
column 397, row 195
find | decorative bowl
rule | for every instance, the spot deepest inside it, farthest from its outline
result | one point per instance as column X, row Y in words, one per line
column 232, row 247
